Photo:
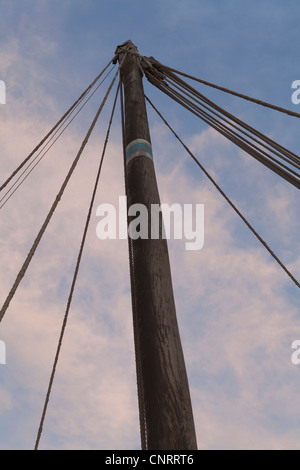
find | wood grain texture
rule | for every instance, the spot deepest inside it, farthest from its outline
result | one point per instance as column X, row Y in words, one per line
column 168, row 412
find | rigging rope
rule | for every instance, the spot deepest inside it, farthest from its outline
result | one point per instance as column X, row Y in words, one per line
column 278, row 167
column 262, row 241
column 289, row 174
column 54, row 206
column 266, row 142
column 61, row 121
column 140, row 383
column 231, row 116
column 10, row 192
column 65, row 320
column 234, row 93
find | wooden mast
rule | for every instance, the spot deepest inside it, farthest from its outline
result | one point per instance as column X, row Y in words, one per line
column 165, row 405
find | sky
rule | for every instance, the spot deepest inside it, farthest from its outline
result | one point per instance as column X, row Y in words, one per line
column 238, row 312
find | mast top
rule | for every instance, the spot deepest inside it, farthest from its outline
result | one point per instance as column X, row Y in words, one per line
column 127, row 46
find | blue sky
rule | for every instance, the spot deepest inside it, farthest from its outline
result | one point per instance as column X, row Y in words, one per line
column 238, row 312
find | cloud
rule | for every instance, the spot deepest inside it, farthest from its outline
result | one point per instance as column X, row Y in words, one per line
column 236, row 315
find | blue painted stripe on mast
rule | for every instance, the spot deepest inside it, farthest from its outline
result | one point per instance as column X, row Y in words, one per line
column 138, row 148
